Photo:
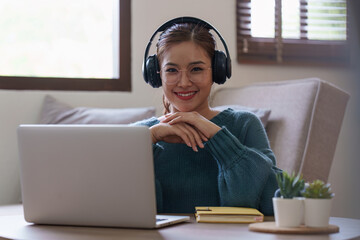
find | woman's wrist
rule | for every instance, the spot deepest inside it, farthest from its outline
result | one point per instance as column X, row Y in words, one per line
column 153, row 138
column 215, row 130
column 210, row 128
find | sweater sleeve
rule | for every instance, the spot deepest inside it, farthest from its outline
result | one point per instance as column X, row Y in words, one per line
column 246, row 168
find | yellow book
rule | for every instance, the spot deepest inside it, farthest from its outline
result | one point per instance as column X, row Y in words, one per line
column 228, row 215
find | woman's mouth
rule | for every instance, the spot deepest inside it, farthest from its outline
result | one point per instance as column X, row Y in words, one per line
column 185, row 95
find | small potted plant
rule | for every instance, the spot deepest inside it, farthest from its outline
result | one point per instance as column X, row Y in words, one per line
column 318, row 198
column 288, row 203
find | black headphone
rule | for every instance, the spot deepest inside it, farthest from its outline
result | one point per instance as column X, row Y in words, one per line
column 221, row 63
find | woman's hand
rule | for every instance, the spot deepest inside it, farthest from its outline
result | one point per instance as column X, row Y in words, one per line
column 178, row 133
column 195, row 120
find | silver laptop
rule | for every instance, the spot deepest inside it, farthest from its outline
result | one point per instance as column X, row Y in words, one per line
column 89, row 175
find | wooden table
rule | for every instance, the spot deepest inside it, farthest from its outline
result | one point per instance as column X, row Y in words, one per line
column 13, row 226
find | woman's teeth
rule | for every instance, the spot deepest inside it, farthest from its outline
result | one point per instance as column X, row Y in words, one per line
column 186, row 94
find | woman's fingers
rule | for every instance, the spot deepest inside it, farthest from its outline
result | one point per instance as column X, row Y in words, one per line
column 175, row 117
column 184, row 134
column 166, row 118
column 178, row 133
column 196, row 135
column 203, row 137
column 206, row 128
column 190, row 133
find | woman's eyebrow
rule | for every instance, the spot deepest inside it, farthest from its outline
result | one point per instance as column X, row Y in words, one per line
column 196, row 62
column 171, row 64
column 190, row 64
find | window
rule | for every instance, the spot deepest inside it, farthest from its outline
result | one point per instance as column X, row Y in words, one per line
column 65, row 45
column 292, row 31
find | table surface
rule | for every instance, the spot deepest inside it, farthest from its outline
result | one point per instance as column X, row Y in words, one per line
column 13, row 226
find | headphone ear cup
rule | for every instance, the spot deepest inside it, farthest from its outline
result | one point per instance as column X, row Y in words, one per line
column 219, row 65
column 151, row 72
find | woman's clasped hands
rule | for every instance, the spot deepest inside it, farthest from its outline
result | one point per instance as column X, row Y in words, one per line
column 189, row 128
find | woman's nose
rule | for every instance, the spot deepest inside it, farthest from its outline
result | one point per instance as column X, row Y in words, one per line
column 184, row 80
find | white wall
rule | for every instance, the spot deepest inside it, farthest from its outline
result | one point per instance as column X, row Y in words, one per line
column 24, row 106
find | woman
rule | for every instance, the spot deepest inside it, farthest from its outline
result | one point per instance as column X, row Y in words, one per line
column 203, row 157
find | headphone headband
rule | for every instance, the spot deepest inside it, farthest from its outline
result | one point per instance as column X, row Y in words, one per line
column 180, row 20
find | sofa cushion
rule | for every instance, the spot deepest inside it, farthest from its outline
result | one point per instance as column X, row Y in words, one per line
column 262, row 114
column 56, row 112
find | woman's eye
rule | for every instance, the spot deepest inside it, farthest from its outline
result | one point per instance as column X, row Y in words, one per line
column 171, row 70
column 197, row 69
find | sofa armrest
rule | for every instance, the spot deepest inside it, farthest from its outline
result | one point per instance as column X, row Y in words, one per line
column 305, row 121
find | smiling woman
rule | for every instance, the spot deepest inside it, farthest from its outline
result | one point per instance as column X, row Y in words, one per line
column 203, row 156
column 65, row 45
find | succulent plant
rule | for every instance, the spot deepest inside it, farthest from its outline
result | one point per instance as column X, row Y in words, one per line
column 318, row 189
column 290, row 186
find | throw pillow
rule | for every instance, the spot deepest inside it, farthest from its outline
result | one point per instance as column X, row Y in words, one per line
column 56, row 112
column 262, row 114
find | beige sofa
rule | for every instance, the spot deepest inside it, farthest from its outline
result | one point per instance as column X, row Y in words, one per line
column 304, row 123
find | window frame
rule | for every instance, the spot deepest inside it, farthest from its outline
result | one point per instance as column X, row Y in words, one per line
column 122, row 83
column 293, row 51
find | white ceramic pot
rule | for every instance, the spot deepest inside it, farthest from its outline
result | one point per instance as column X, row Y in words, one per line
column 289, row 212
column 317, row 212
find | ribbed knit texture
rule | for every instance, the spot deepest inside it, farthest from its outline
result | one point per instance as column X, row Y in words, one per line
column 236, row 168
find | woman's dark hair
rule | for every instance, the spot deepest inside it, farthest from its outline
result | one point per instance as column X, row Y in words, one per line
column 184, row 32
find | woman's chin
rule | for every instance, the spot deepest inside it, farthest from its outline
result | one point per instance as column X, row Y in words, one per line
column 183, row 109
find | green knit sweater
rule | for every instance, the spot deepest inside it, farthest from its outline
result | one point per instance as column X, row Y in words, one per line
column 236, row 168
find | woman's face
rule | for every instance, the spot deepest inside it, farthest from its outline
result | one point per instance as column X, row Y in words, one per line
column 186, row 77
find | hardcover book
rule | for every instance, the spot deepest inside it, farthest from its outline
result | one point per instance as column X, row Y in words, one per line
column 228, row 215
